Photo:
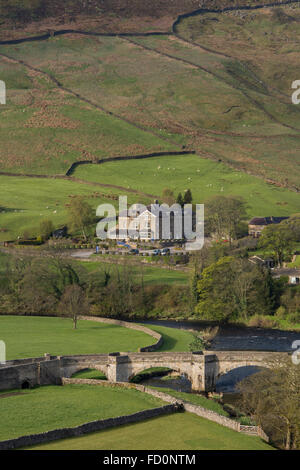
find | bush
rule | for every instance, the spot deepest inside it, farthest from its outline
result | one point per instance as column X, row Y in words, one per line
column 281, row 312
column 261, row 321
column 30, row 242
column 294, row 317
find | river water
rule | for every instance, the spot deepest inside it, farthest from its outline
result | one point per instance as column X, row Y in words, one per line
column 229, row 338
column 234, row 338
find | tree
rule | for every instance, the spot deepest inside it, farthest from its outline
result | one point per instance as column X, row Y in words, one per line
column 293, row 225
column 253, row 290
column 168, row 196
column 278, row 239
column 271, row 397
column 216, row 299
column 73, row 303
column 36, row 284
column 224, row 215
column 81, row 215
column 198, row 343
column 234, row 288
column 46, row 229
column 179, row 200
column 187, row 198
column 193, row 288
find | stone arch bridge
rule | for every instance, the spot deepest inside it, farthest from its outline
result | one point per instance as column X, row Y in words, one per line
column 202, row 369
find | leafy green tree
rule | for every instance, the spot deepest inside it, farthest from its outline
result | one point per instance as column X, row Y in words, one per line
column 271, row 397
column 168, row 196
column 216, row 299
column 46, row 229
column 293, row 225
column 232, row 288
column 188, row 198
column 81, row 215
column 278, row 240
column 179, row 200
column 193, row 288
column 224, row 215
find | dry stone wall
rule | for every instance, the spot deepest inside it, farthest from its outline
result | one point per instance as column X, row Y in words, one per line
column 93, row 426
column 191, row 408
column 133, row 326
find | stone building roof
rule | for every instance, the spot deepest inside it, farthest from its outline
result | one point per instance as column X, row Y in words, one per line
column 266, row 220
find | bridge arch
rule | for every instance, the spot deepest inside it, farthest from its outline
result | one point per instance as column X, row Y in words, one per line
column 137, row 369
column 227, row 380
column 227, row 368
column 86, row 367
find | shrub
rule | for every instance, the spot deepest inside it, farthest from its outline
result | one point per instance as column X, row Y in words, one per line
column 281, row 312
column 294, row 317
column 261, row 321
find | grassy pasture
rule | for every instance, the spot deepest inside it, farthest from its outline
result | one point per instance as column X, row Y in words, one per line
column 265, row 38
column 150, row 274
column 44, row 129
column 25, row 202
column 34, row 336
column 180, row 431
column 230, row 111
column 51, row 407
column 204, row 177
column 174, row 339
column 295, row 263
column 196, row 399
column 89, row 374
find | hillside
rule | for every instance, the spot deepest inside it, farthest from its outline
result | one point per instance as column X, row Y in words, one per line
column 35, row 16
column 217, row 85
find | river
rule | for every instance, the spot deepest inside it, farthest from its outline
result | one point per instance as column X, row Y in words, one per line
column 236, row 338
column 229, row 338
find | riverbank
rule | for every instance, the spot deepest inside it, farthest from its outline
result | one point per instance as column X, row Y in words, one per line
column 237, row 337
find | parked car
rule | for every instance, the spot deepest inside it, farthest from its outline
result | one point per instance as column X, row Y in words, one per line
column 156, row 252
column 133, row 251
column 165, row 251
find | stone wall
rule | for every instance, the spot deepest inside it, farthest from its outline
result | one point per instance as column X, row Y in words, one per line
column 93, row 426
column 45, row 372
column 195, row 409
column 133, row 326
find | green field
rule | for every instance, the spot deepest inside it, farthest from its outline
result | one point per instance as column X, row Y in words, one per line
column 34, row 336
column 180, row 431
column 174, row 339
column 236, row 114
column 44, row 130
column 51, row 407
column 196, row 399
column 149, row 274
column 25, row 202
column 237, row 107
column 204, row 177
column 89, row 374
column 295, row 263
